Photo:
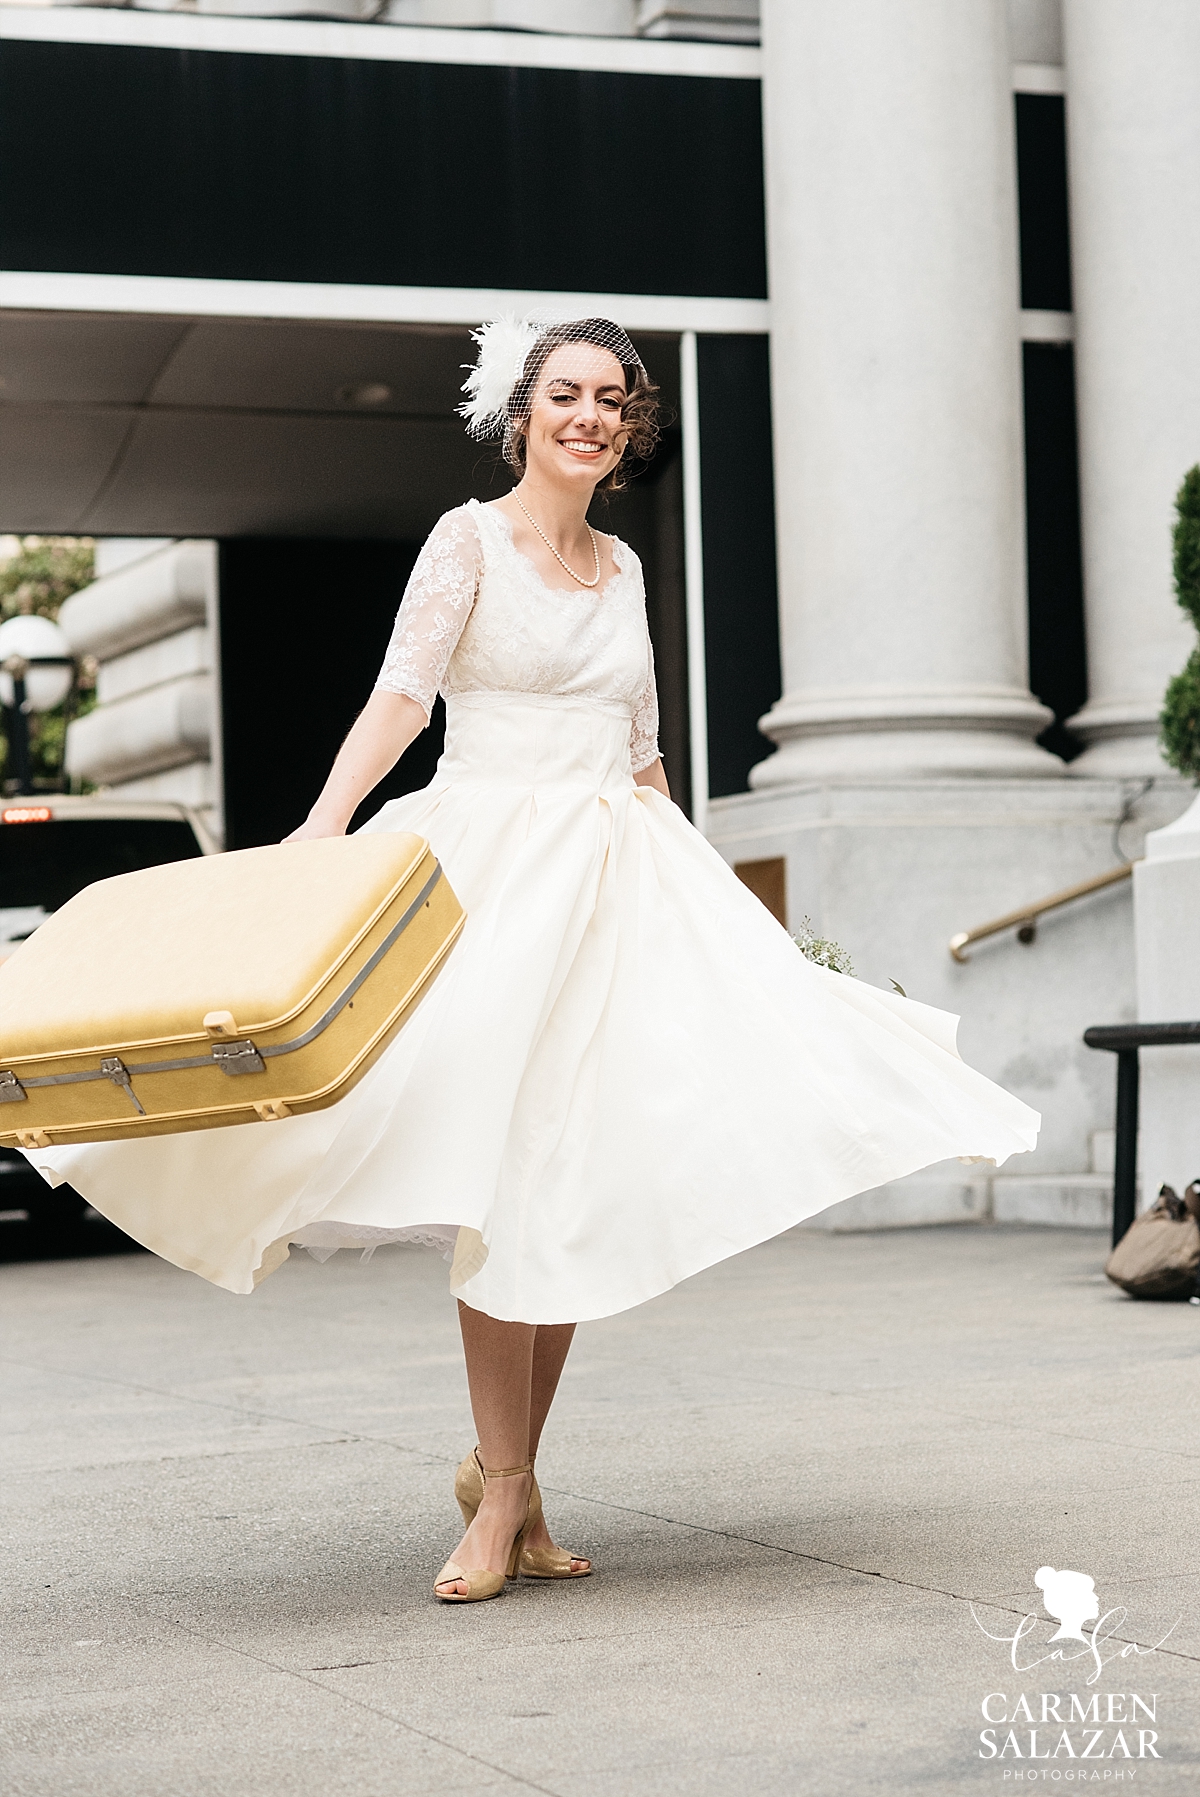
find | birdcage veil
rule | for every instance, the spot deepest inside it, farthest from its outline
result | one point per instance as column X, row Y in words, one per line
column 500, row 385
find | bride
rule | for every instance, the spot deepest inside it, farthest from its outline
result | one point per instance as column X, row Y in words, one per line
column 626, row 1070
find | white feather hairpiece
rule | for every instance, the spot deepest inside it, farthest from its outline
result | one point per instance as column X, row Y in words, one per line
column 504, row 343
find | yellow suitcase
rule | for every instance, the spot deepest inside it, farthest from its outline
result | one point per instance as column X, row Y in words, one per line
column 231, row 989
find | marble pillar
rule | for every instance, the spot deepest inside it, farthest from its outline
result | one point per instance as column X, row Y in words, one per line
column 1133, row 123
column 908, row 800
column 895, row 349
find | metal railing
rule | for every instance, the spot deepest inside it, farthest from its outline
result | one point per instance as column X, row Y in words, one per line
column 1025, row 920
column 1124, row 1040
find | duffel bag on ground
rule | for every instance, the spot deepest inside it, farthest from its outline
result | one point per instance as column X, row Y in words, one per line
column 1159, row 1254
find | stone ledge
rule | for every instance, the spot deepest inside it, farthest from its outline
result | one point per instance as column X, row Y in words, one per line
column 1060, row 1201
column 1055, row 1200
column 164, row 727
column 911, row 1203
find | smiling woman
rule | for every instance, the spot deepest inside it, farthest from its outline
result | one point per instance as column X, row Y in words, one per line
column 581, row 412
column 565, row 362
column 626, row 1072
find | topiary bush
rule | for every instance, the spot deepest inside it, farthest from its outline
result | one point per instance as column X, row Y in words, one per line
column 1179, row 725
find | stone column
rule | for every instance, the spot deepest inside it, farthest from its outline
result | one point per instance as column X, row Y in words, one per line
column 895, row 347
column 1133, row 121
column 151, row 621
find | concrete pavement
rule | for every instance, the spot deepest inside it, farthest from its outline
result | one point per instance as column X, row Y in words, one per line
column 796, row 1473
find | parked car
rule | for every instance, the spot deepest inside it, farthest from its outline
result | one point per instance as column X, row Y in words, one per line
column 51, row 847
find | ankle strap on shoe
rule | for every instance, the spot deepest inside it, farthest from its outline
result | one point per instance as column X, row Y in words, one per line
column 504, row 1472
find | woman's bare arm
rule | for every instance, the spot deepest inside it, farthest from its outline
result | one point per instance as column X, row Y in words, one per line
column 384, row 728
column 655, row 776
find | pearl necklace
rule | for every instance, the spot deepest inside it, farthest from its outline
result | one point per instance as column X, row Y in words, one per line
column 595, row 581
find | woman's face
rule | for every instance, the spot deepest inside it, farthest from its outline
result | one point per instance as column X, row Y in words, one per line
column 575, row 435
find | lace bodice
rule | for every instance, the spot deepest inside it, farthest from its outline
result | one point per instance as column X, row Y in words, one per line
column 478, row 617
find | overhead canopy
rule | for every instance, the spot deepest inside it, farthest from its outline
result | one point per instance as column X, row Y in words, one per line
column 143, row 426
column 147, row 148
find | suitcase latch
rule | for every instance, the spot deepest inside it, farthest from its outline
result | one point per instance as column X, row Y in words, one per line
column 11, row 1089
column 114, row 1068
column 237, row 1057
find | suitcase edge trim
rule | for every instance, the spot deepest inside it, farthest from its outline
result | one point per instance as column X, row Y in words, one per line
column 120, row 1073
column 69, row 1135
column 270, row 1023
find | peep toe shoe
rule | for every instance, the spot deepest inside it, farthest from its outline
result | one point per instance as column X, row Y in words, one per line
column 534, row 1562
column 482, row 1584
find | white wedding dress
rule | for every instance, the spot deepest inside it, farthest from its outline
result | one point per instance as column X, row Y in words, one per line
column 626, row 1071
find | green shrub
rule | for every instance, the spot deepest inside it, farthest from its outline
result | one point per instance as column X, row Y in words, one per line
column 1180, row 721
column 43, row 572
column 37, row 578
column 1179, row 725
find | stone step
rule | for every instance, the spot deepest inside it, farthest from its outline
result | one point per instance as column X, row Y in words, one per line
column 912, row 1203
column 1057, row 1200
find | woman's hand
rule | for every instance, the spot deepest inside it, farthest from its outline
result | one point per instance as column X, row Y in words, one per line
column 656, row 776
column 384, row 728
column 315, row 826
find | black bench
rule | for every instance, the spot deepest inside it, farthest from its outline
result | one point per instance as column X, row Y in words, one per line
column 1124, row 1040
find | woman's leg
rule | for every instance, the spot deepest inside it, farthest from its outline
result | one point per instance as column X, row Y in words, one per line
column 552, row 1343
column 551, row 1346
column 500, row 1376
column 499, row 1360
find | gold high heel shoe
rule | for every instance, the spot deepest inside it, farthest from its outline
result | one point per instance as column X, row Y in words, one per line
column 535, row 1562
column 482, row 1584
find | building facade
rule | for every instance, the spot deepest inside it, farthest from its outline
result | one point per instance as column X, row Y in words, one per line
column 916, row 277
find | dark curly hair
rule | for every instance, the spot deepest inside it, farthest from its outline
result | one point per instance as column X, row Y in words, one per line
column 639, row 414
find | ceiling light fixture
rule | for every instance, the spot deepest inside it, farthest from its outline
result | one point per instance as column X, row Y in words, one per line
column 367, row 393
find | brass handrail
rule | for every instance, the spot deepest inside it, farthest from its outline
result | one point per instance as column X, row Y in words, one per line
column 1026, row 919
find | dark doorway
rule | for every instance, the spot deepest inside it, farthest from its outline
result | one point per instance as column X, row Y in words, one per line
column 741, row 611
column 1042, row 191
column 1057, row 649
column 648, row 516
column 304, row 626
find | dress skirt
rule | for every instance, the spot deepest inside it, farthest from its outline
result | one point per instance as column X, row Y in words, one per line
column 625, row 1072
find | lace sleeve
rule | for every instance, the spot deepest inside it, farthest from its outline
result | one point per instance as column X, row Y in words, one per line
column 436, row 605
column 643, row 736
